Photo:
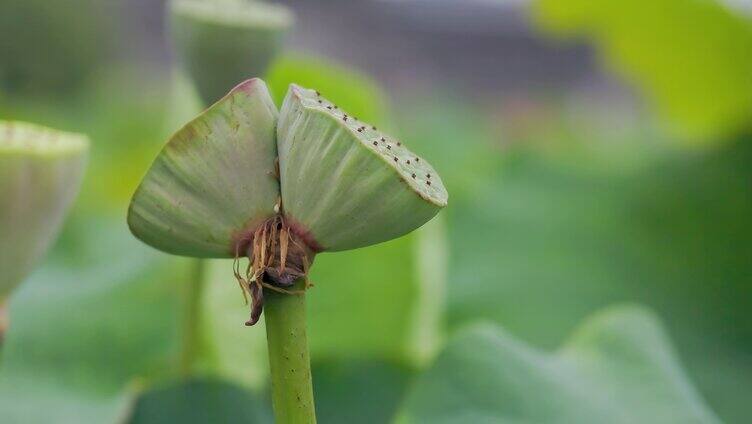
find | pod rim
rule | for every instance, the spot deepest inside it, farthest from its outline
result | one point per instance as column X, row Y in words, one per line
column 18, row 137
column 234, row 13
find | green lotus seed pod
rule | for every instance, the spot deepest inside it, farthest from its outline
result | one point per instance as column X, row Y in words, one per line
column 222, row 42
column 213, row 179
column 236, row 183
column 345, row 182
column 40, row 174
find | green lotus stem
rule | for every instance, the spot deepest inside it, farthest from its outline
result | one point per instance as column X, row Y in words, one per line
column 3, row 322
column 192, row 323
column 289, row 360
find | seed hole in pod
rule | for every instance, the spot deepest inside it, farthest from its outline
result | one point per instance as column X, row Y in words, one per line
column 389, row 147
column 317, row 93
column 321, row 101
column 382, row 139
column 344, row 118
column 413, row 176
column 396, row 160
column 428, row 182
column 408, row 161
column 428, row 175
column 417, row 159
column 374, row 128
column 399, row 144
column 375, row 143
column 329, row 107
column 336, row 107
column 360, row 130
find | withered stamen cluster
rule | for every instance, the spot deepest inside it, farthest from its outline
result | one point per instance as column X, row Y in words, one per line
column 276, row 259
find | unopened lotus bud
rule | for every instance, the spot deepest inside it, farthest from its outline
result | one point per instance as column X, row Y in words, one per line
column 346, row 183
column 40, row 174
column 222, row 42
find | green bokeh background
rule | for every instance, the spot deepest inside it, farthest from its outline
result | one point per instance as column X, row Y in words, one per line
column 551, row 219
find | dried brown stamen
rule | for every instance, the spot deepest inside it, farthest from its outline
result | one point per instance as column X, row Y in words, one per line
column 277, row 258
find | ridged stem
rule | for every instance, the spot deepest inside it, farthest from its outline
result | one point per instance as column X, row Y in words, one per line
column 292, row 389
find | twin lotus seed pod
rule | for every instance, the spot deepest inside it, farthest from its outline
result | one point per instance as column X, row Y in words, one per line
column 40, row 174
column 219, row 42
column 242, row 180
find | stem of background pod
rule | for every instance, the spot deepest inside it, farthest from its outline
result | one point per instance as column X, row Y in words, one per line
column 192, row 318
column 289, row 360
column 4, row 314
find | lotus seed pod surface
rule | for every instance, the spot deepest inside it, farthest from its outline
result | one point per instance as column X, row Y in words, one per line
column 347, row 183
column 222, row 42
column 215, row 179
column 40, row 174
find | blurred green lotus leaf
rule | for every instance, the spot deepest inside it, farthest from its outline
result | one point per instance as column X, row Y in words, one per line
column 561, row 236
column 201, row 401
column 366, row 392
column 78, row 351
column 618, row 367
column 222, row 43
column 691, row 57
column 359, row 391
column 40, row 174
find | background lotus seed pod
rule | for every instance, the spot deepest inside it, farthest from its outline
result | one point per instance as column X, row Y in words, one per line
column 223, row 42
column 346, row 182
column 214, row 178
column 40, row 174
